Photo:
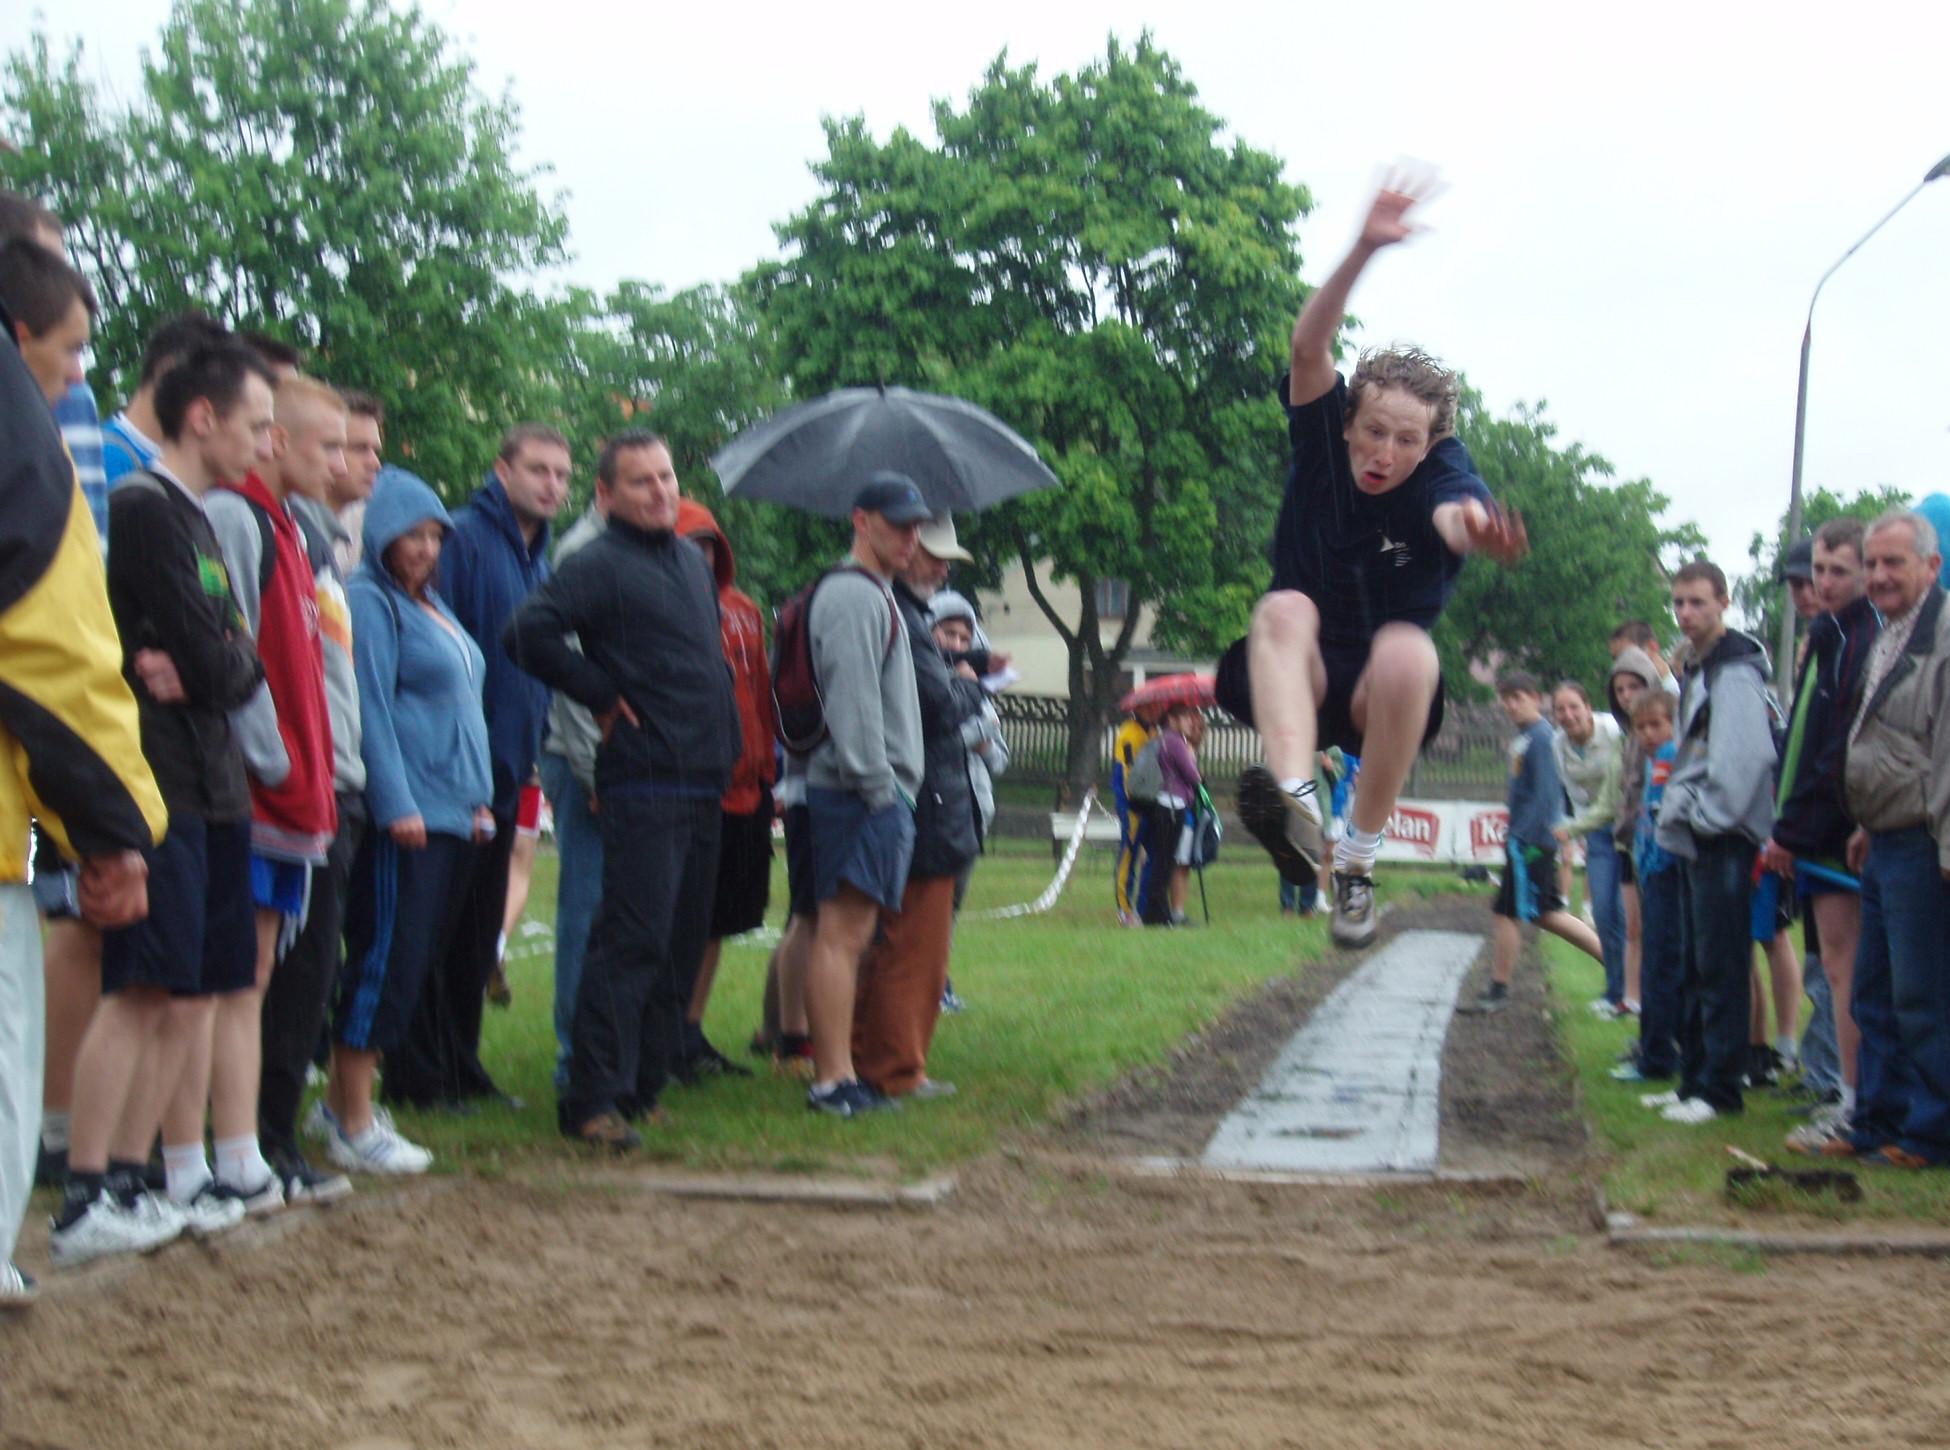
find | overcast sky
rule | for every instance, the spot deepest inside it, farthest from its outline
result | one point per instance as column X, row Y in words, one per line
column 1641, row 198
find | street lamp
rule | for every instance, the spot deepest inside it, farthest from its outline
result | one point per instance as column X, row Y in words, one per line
column 1784, row 659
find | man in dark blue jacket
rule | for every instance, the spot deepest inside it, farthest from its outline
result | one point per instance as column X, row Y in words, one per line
column 495, row 558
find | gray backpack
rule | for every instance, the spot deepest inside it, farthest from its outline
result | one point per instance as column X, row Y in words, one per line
column 1144, row 781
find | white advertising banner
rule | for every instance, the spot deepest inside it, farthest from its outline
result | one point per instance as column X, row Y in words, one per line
column 1455, row 833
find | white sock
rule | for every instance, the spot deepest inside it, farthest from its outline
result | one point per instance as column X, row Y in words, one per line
column 1848, row 1100
column 240, row 1164
column 54, row 1131
column 1356, row 850
column 1303, row 791
column 187, row 1170
column 1789, row 1049
column 501, row 947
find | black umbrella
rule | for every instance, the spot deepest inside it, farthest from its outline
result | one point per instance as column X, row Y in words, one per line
column 816, row 456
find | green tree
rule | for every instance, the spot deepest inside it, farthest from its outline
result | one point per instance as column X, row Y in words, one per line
column 327, row 171
column 697, row 367
column 1090, row 258
column 1761, row 593
column 1600, row 555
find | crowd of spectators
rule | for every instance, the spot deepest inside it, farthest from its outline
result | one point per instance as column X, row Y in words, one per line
column 276, row 719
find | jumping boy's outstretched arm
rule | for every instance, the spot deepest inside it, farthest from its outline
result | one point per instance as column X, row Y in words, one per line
column 1320, row 320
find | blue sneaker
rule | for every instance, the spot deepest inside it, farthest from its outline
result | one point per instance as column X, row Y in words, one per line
column 1629, row 1072
column 951, row 1000
column 848, row 1098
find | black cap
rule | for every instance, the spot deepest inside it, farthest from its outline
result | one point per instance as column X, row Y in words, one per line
column 1800, row 562
column 895, row 498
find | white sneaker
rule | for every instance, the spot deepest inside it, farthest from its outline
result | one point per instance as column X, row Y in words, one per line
column 319, row 1123
column 17, row 1290
column 1691, row 1112
column 1603, row 1007
column 107, row 1227
column 216, row 1208
column 379, row 1149
column 1668, row 1098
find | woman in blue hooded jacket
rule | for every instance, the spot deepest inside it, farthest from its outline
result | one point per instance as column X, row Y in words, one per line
column 428, row 783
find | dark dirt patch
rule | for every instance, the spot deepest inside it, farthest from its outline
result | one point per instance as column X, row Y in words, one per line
column 1509, row 1099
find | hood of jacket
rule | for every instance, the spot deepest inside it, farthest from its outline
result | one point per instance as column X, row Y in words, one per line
column 400, row 501
column 693, row 518
column 741, row 630
column 1631, row 661
column 492, row 503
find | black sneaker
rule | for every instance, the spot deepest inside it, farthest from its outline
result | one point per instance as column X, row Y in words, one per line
column 51, row 1167
column 848, row 1098
column 709, row 1062
column 306, row 1184
column 1763, row 1066
column 1494, row 999
column 1294, row 839
column 1353, row 909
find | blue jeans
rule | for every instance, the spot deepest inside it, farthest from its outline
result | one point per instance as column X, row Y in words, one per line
column 1902, row 998
column 1662, row 972
column 1294, row 898
column 1601, row 877
column 1821, row 1059
column 1716, row 892
column 578, row 892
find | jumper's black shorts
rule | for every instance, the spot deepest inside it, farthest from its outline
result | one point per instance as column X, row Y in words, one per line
column 1234, row 691
column 200, row 937
column 744, row 872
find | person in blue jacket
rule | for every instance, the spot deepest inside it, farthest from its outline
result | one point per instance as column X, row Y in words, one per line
column 496, row 556
column 425, row 746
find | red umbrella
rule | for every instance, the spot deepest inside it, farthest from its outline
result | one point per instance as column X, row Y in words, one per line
column 1168, row 690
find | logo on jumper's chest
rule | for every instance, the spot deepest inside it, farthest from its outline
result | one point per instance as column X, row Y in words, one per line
column 1400, row 551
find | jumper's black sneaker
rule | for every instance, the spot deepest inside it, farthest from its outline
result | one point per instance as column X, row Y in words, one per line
column 709, row 1062
column 1353, row 909
column 1281, row 824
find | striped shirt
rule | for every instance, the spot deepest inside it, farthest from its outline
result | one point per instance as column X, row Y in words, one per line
column 81, row 430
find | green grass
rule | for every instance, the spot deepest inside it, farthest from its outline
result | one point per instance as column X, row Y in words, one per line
column 1673, row 1174
column 1061, row 1004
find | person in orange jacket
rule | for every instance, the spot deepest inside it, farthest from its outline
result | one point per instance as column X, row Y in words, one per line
column 745, row 855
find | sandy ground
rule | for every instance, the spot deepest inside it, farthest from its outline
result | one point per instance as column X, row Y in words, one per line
column 1056, row 1299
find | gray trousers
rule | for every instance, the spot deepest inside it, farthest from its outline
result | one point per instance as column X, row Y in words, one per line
column 23, row 1045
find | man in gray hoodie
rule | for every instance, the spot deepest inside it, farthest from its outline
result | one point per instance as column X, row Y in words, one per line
column 1718, row 809
column 863, row 776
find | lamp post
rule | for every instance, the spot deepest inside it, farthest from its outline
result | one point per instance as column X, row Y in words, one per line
column 1784, row 656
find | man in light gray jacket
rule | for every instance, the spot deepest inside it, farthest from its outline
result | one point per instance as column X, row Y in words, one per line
column 862, row 777
column 1718, row 809
column 1897, row 781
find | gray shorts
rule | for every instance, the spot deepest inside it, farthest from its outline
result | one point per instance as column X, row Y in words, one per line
column 869, row 850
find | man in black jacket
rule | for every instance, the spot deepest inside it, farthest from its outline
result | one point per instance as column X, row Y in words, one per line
column 169, row 592
column 902, row 976
column 1813, row 826
column 644, row 606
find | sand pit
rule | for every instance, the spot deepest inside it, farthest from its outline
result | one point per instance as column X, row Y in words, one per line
column 1052, row 1299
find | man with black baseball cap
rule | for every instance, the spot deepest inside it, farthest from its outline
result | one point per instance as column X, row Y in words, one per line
column 862, row 777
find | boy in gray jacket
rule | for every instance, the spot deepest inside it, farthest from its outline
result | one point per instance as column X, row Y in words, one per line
column 1718, row 809
column 862, row 778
